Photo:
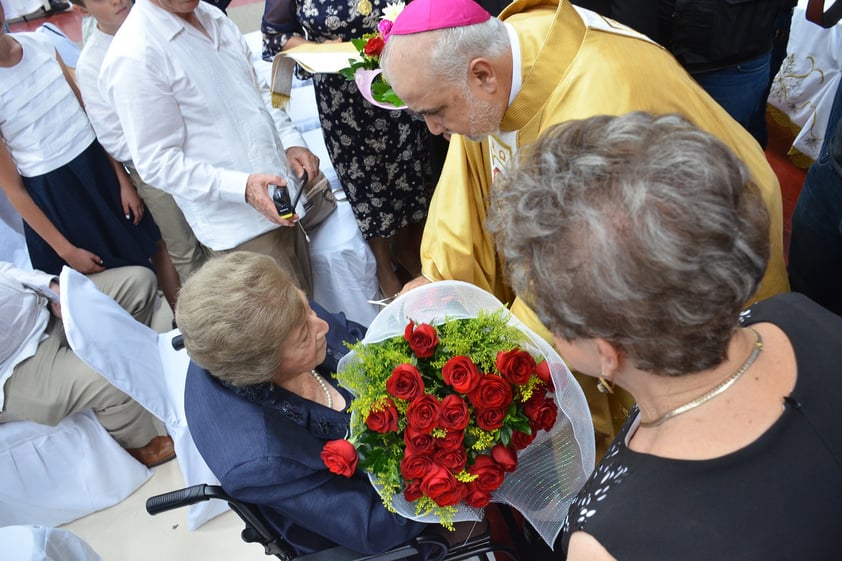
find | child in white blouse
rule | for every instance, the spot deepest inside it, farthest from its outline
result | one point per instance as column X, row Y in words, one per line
column 78, row 205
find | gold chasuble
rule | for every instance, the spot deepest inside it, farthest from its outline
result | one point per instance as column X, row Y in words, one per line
column 575, row 64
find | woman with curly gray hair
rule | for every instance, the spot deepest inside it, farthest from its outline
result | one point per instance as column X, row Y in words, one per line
column 638, row 240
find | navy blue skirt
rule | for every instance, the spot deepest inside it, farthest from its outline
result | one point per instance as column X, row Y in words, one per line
column 82, row 199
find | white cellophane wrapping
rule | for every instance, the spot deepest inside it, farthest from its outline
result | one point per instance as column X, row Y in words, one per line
column 553, row 468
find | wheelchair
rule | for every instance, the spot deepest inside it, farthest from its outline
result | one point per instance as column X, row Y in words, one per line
column 257, row 530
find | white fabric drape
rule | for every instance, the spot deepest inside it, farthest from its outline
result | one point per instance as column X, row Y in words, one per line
column 141, row 363
column 53, row 475
column 39, row 543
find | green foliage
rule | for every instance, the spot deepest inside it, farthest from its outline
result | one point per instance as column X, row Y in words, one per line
column 480, row 338
column 383, row 92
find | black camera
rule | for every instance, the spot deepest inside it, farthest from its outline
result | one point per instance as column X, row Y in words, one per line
column 280, row 196
column 283, row 204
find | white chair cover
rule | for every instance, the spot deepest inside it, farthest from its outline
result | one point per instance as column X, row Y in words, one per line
column 39, row 543
column 344, row 268
column 141, row 363
column 53, row 475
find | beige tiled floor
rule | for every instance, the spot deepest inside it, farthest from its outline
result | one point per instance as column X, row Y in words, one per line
column 125, row 532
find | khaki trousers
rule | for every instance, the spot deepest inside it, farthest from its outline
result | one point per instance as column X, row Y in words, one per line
column 185, row 251
column 54, row 383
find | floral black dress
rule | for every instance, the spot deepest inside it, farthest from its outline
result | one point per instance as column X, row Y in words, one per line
column 381, row 157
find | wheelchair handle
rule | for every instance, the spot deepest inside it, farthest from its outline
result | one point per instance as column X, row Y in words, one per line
column 184, row 497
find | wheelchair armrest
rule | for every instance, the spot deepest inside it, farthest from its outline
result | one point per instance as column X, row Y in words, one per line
column 184, row 497
column 433, row 545
column 256, row 530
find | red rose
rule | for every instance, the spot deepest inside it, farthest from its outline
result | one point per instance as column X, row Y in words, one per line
column 383, row 419
column 453, row 459
column 505, row 456
column 422, row 339
column 418, row 442
column 461, row 373
column 405, row 382
column 515, row 365
column 454, row 413
column 547, row 415
column 521, row 440
column 413, row 490
column 423, row 413
column 340, row 457
column 453, row 439
column 374, row 46
column 416, row 466
column 476, row 498
column 490, row 419
column 534, row 401
column 490, row 474
column 541, row 411
column 492, row 392
column 542, row 370
column 442, row 487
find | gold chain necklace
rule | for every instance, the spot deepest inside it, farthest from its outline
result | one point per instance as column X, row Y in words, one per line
column 324, row 388
column 758, row 346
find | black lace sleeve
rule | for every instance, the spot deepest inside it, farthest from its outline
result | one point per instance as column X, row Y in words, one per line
column 278, row 25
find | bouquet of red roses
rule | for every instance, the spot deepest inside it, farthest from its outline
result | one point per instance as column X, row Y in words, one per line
column 444, row 410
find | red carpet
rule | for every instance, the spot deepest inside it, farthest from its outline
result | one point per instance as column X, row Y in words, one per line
column 790, row 177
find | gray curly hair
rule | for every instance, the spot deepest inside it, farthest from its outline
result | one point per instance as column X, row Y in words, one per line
column 641, row 230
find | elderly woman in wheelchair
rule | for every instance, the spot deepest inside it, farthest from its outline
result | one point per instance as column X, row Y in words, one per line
column 260, row 403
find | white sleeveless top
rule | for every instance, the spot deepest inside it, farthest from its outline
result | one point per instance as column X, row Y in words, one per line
column 41, row 122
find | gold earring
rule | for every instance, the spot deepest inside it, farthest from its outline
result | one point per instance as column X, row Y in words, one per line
column 605, row 386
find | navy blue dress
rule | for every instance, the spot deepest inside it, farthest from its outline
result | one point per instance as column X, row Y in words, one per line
column 82, row 200
column 264, row 445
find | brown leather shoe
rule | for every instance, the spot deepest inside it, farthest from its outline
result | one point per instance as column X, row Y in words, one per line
column 156, row 452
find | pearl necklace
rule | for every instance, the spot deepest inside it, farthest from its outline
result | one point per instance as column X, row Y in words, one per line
column 324, row 388
column 758, row 346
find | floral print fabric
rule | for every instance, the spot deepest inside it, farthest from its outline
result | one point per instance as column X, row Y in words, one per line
column 381, row 157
